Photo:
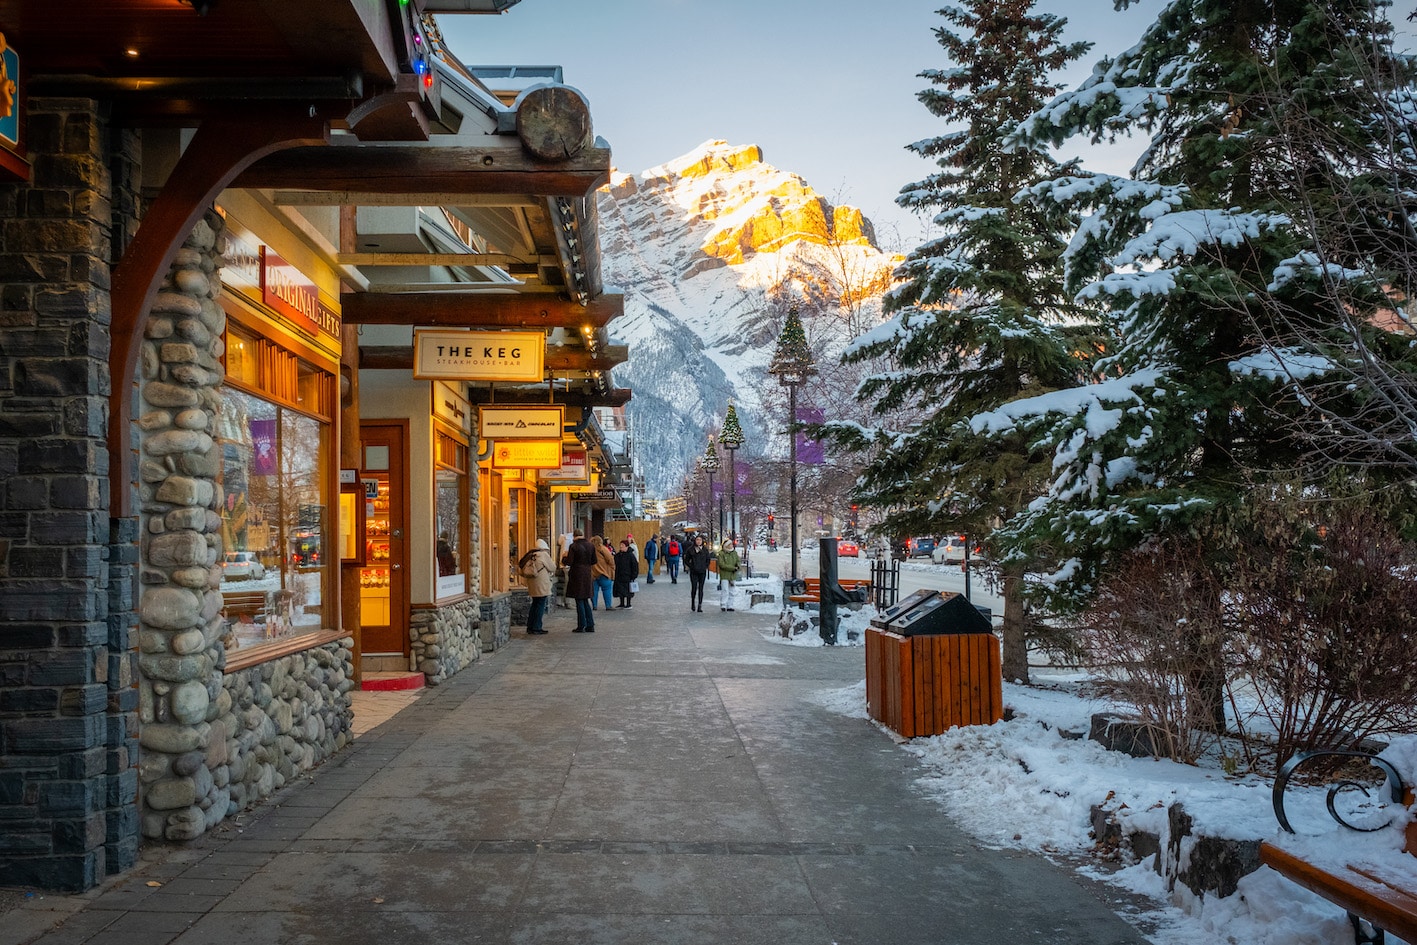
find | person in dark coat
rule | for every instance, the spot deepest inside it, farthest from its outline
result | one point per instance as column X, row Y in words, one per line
column 580, row 585
column 651, row 558
column 696, row 562
column 627, row 568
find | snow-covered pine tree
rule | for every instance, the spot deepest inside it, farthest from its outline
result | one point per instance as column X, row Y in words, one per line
column 980, row 317
column 1204, row 262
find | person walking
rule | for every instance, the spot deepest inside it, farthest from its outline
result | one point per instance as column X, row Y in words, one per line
column 627, row 569
column 580, row 582
column 672, row 555
column 727, row 574
column 604, row 572
column 697, row 564
column 651, row 559
column 539, row 572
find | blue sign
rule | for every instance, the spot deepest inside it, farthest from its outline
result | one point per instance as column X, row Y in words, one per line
column 9, row 93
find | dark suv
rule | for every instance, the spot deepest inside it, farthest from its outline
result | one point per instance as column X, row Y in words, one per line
column 919, row 547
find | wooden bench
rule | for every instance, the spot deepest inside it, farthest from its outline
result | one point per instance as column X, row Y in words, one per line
column 813, row 594
column 238, row 604
column 1387, row 901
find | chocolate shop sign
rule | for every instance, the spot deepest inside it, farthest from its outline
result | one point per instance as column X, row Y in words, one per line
column 480, row 356
column 520, row 423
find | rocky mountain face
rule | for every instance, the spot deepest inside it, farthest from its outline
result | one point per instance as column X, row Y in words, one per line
column 699, row 246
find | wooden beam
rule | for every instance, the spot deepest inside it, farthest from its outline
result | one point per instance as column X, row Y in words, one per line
column 476, row 310
column 429, row 169
column 443, row 259
column 400, row 358
column 359, row 198
column 218, row 151
column 615, row 397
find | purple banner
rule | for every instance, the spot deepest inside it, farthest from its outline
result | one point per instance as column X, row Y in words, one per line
column 263, row 444
column 809, row 451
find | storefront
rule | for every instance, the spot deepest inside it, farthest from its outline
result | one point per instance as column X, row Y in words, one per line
column 418, row 576
column 237, row 462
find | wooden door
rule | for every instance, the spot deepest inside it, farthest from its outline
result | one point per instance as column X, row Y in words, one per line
column 383, row 581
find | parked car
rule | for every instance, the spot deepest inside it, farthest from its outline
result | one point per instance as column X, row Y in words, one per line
column 846, row 548
column 919, row 547
column 242, row 565
column 950, row 548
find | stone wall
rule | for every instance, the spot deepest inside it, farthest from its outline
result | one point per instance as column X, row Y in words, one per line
column 66, row 706
column 496, row 622
column 285, row 716
column 180, row 701
column 446, row 639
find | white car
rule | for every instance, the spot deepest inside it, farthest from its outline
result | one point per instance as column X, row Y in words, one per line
column 950, row 549
column 241, row 565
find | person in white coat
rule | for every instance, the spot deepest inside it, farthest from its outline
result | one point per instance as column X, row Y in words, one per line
column 540, row 573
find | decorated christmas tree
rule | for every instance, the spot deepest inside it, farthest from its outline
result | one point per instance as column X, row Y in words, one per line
column 732, row 434
column 793, row 357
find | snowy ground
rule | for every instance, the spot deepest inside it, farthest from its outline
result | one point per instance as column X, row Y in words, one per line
column 991, row 779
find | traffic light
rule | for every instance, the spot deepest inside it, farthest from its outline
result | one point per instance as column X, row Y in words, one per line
column 854, row 509
column 771, row 520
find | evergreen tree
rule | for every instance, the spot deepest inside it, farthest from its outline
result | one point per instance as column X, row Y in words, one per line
column 1204, row 261
column 1208, row 267
column 980, row 317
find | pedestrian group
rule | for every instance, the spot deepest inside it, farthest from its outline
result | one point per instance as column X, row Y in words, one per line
column 594, row 571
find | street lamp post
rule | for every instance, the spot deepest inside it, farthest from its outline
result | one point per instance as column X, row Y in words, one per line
column 731, row 436
column 710, row 463
column 793, row 364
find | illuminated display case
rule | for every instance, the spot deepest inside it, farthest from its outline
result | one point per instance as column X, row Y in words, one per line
column 374, row 576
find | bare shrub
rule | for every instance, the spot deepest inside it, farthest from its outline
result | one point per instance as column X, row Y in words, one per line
column 1325, row 605
column 1155, row 631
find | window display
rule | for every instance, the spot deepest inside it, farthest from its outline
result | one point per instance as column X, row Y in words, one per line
column 450, row 515
column 274, row 480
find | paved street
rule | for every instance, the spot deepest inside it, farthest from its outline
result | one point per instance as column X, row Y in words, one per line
column 664, row 780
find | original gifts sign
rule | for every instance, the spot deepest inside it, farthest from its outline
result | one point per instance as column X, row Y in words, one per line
column 520, row 423
column 573, row 469
column 480, row 356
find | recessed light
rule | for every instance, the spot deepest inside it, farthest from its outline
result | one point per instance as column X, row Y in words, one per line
column 131, row 52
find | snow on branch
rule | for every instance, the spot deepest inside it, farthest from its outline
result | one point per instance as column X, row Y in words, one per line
column 1283, row 364
column 1308, row 264
column 1099, row 402
column 1184, row 232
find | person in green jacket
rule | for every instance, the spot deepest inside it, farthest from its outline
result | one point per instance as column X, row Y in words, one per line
column 727, row 574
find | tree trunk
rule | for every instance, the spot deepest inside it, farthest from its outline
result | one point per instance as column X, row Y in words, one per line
column 1015, row 647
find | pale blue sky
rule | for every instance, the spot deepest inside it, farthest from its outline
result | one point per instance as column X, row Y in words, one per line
column 825, row 87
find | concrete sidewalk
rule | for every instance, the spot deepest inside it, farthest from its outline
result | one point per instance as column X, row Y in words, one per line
column 663, row 780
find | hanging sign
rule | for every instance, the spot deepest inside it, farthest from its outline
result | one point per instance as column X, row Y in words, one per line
column 479, row 355
column 527, row 454
column 572, row 468
column 520, row 423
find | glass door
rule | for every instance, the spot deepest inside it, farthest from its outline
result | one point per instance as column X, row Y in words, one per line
column 383, row 580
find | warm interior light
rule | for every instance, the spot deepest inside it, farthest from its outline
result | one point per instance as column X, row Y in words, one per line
column 131, row 52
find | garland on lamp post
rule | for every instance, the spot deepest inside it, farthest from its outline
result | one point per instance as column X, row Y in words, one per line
column 731, row 436
column 793, row 363
column 710, row 464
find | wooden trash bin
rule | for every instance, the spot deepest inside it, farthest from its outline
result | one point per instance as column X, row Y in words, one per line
column 922, row 685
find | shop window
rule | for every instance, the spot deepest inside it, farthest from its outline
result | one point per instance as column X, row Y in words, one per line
column 275, row 512
column 450, row 489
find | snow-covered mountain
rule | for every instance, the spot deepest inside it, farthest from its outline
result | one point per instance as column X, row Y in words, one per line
column 697, row 246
